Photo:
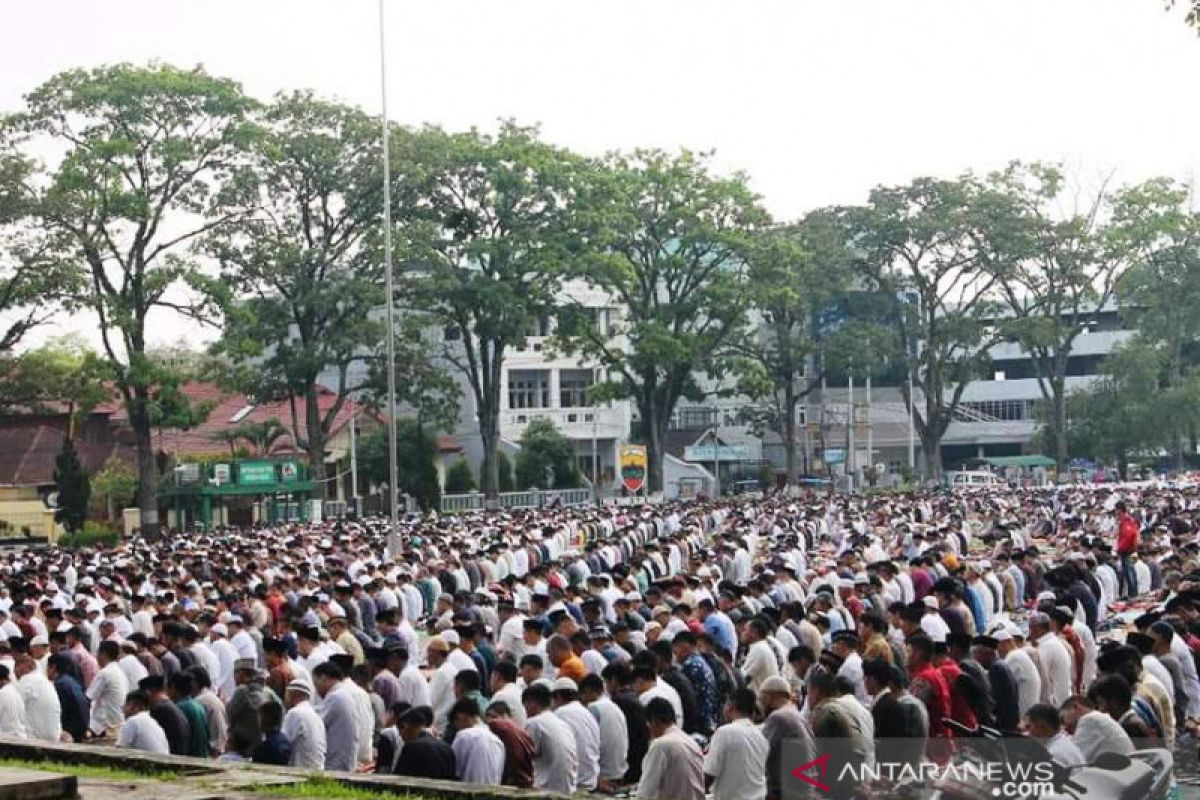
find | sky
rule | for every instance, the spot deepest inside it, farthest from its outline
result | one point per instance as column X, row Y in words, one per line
column 817, row 101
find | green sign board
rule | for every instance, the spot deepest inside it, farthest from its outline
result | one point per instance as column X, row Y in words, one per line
column 256, row 473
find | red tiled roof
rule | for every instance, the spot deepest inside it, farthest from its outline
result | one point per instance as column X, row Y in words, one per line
column 227, row 414
column 29, row 453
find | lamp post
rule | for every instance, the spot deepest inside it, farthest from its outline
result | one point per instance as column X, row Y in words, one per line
column 393, row 539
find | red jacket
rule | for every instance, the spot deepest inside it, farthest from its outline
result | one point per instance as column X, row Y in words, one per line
column 1127, row 535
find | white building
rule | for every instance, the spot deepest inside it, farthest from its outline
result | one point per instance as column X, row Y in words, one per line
column 539, row 383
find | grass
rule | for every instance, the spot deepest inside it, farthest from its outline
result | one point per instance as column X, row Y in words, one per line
column 87, row 770
column 316, row 786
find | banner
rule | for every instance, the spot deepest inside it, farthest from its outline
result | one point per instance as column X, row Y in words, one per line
column 633, row 467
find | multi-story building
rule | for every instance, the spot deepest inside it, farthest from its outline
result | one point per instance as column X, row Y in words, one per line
column 996, row 416
column 540, row 382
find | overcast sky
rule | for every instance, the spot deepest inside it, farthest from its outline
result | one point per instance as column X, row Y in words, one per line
column 817, row 100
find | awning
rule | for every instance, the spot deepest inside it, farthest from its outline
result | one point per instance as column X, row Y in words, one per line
column 1019, row 461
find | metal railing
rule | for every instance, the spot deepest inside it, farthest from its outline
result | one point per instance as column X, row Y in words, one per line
column 533, row 498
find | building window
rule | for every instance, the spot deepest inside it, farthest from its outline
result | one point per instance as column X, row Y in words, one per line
column 529, row 388
column 540, row 326
column 998, row 375
column 451, row 333
column 801, row 414
column 572, row 387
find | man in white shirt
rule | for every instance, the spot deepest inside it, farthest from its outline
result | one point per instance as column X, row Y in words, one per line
column 1092, row 731
column 555, row 765
column 107, row 692
column 614, row 731
column 1024, row 671
column 226, row 654
column 1054, row 657
column 649, row 686
column 1044, row 724
column 760, row 662
column 583, row 726
column 505, row 689
column 140, row 731
column 478, row 753
column 674, row 766
column 441, row 683
column 736, row 763
column 303, row 728
column 12, row 707
column 134, row 670
column 43, row 712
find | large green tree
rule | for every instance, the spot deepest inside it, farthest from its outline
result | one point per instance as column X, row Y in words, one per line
column 1057, row 266
column 487, row 256
column 668, row 241
column 1155, row 227
column 138, row 158
column 61, row 374
column 917, row 246
column 32, row 278
column 797, row 274
column 1120, row 416
column 302, row 269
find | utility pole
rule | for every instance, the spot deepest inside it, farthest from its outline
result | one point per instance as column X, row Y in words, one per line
column 394, row 545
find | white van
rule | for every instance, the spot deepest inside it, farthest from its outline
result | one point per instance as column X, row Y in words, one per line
column 968, row 479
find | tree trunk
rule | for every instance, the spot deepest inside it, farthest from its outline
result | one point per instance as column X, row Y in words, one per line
column 656, row 436
column 489, row 478
column 1059, row 392
column 789, row 432
column 932, row 451
column 316, row 443
column 147, row 467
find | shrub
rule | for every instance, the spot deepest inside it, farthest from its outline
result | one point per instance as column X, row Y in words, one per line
column 459, row 479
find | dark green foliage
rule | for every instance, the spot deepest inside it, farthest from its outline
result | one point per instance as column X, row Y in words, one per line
column 546, row 460
column 74, row 488
column 459, row 479
column 416, row 452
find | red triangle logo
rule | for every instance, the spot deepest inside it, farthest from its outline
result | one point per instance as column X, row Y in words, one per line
column 821, row 764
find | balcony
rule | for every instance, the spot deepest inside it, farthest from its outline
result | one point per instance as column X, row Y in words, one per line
column 574, row 423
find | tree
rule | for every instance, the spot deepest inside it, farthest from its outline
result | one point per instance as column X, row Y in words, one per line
column 261, row 436
column 488, row 255
column 416, row 451
column 32, row 279
column 62, row 374
column 1119, row 417
column 796, row 275
column 667, row 240
column 115, row 484
column 1055, row 273
column 459, row 479
column 144, row 152
column 547, row 459
column 1153, row 226
column 303, row 267
column 74, row 488
column 917, row 246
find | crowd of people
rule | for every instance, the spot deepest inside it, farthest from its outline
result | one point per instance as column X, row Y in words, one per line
column 664, row 651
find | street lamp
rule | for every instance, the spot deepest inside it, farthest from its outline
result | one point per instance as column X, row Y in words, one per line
column 393, row 538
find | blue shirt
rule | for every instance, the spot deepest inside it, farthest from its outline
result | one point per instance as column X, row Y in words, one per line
column 720, row 628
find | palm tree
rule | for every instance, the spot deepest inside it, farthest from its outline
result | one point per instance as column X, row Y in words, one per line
column 262, row 435
column 230, row 436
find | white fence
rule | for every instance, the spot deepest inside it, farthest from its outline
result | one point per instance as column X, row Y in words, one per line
column 530, row 499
